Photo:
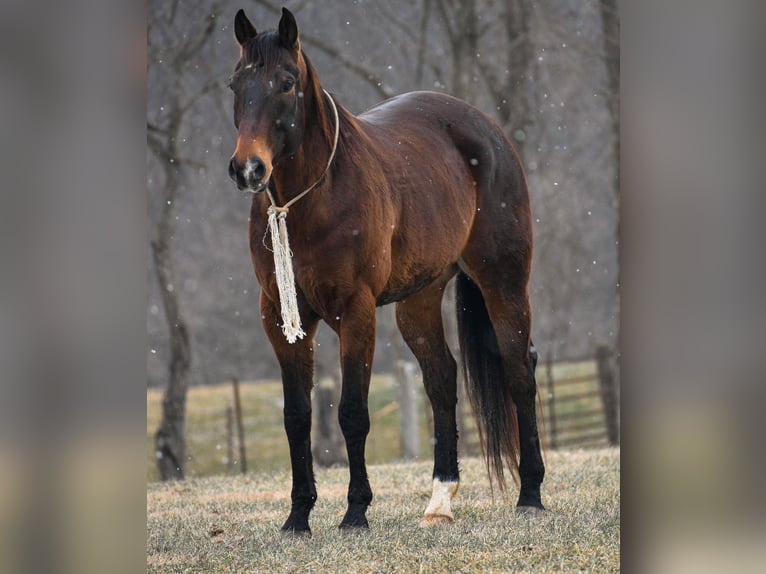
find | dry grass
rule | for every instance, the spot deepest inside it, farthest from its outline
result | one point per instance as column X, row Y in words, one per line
column 230, row 524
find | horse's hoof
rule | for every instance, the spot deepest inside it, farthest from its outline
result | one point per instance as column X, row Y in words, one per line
column 434, row 520
column 531, row 511
column 354, row 520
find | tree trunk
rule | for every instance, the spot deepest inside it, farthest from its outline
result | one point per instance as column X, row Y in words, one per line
column 515, row 109
column 169, row 438
column 174, row 53
column 464, row 42
column 610, row 25
column 409, row 429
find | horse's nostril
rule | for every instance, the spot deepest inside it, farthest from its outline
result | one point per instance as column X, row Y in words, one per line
column 232, row 169
column 258, row 168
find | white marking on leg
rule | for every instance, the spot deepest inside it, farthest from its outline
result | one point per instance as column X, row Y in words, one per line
column 441, row 499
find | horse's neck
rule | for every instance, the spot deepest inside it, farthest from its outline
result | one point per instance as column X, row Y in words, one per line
column 300, row 171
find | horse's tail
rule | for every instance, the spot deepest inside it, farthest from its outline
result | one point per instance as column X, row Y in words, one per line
column 488, row 389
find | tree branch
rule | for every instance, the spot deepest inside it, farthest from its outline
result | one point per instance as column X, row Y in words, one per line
column 157, row 147
column 401, row 26
column 154, row 128
column 422, row 42
column 160, row 150
column 368, row 76
column 198, row 41
column 445, row 19
column 206, row 89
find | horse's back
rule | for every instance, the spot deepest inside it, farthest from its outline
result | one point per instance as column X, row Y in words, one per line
column 434, row 112
column 436, row 122
column 418, row 107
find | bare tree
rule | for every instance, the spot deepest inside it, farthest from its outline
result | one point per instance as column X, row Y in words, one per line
column 610, row 24
column 173, row 51
column 510, row 85
column 461, row 25
column 350, row 63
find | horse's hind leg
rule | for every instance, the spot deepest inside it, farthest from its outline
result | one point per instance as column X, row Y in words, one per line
column 509, row 312
column 420, row 322
column 498, row 283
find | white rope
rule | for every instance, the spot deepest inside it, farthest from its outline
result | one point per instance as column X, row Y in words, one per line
column 291, row 320
column 283, row 265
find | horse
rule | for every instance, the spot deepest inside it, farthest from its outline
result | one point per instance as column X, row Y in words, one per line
column 387, row 207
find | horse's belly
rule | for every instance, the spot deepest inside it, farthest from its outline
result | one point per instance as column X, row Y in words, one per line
column 427, row 246
column 401, row 286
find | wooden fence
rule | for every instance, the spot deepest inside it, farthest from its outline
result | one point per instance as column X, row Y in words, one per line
column 581, row 409
column 578, row 404
column 578, row 407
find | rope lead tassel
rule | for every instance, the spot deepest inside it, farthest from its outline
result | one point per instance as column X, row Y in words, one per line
column 283, row 266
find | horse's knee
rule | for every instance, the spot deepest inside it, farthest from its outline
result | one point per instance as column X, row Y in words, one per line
column 354, row 419
column 523, row 385
column 297, row 423
column 442, row 391
column 523, row 382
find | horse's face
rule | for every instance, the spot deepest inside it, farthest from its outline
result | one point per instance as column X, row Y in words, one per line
column 268, row 111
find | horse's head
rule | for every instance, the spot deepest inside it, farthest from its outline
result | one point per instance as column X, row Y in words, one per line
column 268, row 112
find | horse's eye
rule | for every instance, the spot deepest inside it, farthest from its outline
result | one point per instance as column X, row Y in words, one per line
column 287, row 85
column 230, row 83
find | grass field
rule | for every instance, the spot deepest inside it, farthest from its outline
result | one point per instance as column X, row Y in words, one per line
column 230, row 523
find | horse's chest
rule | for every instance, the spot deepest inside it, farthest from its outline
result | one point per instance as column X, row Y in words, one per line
column 327, row 271
column 331, row 267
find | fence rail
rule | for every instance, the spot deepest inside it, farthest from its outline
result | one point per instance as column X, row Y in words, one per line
column 580, row 410
column 578, row 405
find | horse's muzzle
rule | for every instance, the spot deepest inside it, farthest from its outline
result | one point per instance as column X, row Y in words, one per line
column 250, row 176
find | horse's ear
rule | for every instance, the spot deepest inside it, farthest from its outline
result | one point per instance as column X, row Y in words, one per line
column 288, row 30
column 243, row 29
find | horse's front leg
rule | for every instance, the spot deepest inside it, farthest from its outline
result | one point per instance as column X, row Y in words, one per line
column 297, row 364
column 357, row 346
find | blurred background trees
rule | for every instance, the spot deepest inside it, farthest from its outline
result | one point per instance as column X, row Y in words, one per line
column 547, row 71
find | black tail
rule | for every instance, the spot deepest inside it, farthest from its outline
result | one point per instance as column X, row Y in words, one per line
column 488, row 389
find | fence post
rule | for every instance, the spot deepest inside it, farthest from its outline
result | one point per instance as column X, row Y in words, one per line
column 608, row 395
column 240, row 426
column 327, row 446
column 551, row 402
column 229, row 439
column 409, row 435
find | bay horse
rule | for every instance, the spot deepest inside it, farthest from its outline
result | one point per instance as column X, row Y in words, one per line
column 387, row 207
